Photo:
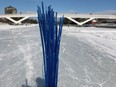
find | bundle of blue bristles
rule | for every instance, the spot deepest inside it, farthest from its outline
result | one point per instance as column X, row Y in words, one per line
column 50, row 31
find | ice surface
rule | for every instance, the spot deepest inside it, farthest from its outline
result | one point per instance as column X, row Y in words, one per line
column 87, row 57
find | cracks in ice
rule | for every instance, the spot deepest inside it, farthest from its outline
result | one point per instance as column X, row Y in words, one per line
column 26, row 50
column 88, row 78
column 89, row 81
column 101, row 84
column 71, row 72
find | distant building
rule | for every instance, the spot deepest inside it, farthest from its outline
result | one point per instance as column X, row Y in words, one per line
column 10, row 10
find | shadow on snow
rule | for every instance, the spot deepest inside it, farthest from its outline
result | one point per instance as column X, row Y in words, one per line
column 39, row 82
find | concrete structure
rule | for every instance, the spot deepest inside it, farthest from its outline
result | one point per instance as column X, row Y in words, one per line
column 69, row 16
column 10, row 10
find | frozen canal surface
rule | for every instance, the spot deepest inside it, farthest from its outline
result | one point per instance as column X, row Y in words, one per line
column 87, row 58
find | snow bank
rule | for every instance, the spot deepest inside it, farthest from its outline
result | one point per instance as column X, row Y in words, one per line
column 102, row 39
column 6, row 26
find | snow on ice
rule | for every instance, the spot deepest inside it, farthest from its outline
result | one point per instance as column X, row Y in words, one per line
column 87, row 57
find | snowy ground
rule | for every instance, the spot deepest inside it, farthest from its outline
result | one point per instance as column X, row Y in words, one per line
column 87, row 57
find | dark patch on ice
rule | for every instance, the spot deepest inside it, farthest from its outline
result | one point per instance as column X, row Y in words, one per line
column 26, row 84
column 40, row 82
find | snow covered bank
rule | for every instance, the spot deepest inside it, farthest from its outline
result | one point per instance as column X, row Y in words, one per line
column 6, row 26
column 88, row 29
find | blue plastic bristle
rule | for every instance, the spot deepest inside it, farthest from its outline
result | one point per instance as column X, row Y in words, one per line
column 50, row 32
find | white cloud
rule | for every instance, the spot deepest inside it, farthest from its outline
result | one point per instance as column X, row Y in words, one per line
column 108, row 12
column 72, row 11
